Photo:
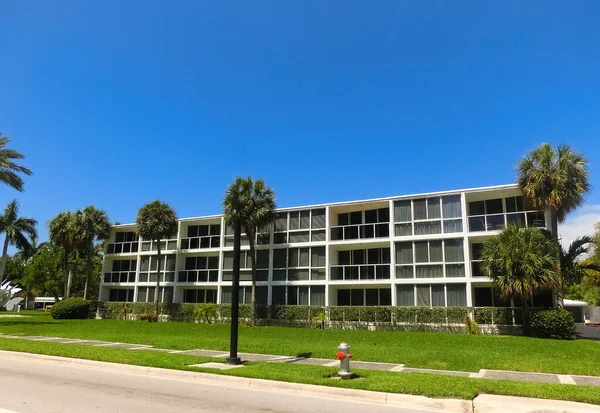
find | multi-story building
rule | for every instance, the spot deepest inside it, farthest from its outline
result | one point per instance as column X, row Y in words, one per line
column 414, row 250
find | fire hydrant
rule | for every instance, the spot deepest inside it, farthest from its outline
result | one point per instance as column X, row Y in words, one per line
column 344, row 357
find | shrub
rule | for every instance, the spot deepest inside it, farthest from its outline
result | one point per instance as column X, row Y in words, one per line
column 205, row 312
column 554, row 323
column 72, row 308
column 471, row 327
column 151, row 318
column 320, row 319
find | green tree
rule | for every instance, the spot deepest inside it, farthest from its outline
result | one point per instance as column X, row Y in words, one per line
column 9, row 169
column 34, row 248
column 63, row 235
column 156, row 221
column 252, row 203
column 17, row 231
column 520, row 261
column 44, row 273
column 555, row 180
column 572, row 266
column 92, row 226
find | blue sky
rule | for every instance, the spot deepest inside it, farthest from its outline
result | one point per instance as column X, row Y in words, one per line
column 115, row 104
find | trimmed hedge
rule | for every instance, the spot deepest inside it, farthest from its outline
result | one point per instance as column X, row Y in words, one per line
column 72, row 308
column 553, row 323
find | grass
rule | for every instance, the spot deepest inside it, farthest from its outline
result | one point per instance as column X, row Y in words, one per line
column 411, row 383
column 459, row 352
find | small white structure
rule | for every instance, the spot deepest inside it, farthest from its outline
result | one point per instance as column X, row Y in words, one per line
column 40, row 303
column 578, row 308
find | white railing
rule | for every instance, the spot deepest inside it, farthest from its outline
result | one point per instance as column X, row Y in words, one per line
column 119, row 277
column 206, row 241
column 360, row 231
column 194, row 276
column 494, row 222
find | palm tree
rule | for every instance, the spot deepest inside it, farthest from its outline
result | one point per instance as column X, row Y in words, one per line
column 63, row 235
column 34, row 248
column 92, row 225
column 155, row 221
column 16, row 231
column 572, row 267
column 520, row 261
column 253, row 204
column 555, row 180
column 9, row 169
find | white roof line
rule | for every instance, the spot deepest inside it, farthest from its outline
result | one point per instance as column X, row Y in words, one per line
column 343, row 203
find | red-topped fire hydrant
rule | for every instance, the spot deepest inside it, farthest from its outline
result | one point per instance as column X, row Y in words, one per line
column 344, row 357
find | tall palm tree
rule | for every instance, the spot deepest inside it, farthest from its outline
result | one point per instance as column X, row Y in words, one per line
column 16, row 231
column 155, row 221
column 572, row 267
column 555, row 180
column 92, row 225
column 520, row 261
column 9, row 169
column 34, row 248
column 253, row 204
column 63, row 235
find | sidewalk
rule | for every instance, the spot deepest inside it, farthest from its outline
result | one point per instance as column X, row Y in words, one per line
column 359, row 365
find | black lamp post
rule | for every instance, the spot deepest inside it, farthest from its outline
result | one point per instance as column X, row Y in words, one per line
column 235, row 297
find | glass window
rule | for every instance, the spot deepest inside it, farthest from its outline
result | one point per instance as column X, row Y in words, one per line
column 281, row 221
column 405, row 271
column 383, row 215
column 303, row 295
column 278, row 295
column 318, row 218
column 403, row 230
column 228, row 260
column 453, row 225
column 457, row 295
column 279, row 258
column 142, row 296
column 262, row 259
column 402, row 211
column 343, row 297
column 317, row 236
column 406, row 295
column 493, row 206
column 317, row 295
column 483, row 297
column 344, row 257
column 433, row 208
column 430, row 271
column 514, row 204
column 451, row 206
column 371, row 296
column 420, row 208
column 404, row 253
column 438, row 295
column 477, row 208
column 455, row 270
column 293, row 257
column 421, row 251
column 318, row 257
column 304, row 254
column 453, row 248
column 435, row 251
column 343, row 219
column 371, row 216
column 294, row 220
column 426, row 228
column 356, row 218
column 299, row 236
column 357, row 297
column 423, row 298
column 385, row 296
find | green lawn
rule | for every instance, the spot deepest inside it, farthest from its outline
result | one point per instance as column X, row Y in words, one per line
column 411, row 383
column 426, row 350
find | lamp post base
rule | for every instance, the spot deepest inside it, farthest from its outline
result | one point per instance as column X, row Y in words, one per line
column 235, row 361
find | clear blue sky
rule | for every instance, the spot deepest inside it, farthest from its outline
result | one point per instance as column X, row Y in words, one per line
column 117, row 103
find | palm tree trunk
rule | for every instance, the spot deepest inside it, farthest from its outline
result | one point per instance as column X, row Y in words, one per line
column 560, row 293
column 4, row 258
column 66, row 275
column 157, row 292
column 69, row 282
column 524, row 315
column 253, row 263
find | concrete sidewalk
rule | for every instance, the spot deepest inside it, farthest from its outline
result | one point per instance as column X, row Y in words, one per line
column 358, row 365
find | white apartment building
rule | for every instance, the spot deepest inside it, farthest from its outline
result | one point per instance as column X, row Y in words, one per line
column 413, row 250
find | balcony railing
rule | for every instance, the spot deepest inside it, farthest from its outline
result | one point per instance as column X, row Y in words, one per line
column 194, row 276
column 207, row 241
column 165, row 245
column 122, row 247
column 360, row 272
column 360, row 231
column 494, row 222
column 119, row 277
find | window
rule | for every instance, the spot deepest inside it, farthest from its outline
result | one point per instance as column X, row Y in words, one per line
column 149, row 268
column 423, row 296
column 438, row 295
column 122, row 271
column 514, row 204
column 457, row 295
column 451, row 206
column 202, row 236
column 200, row 295
column 245, row 295
column 453, row 250
column 122, row 295
column 125, row 242
column 200, row 269
column 360, row 297
column 318, row 218
column 402, row 211
column 405, row 295
column 428, row 227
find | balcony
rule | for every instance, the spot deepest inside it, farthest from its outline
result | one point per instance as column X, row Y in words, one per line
column 360, row 231
column 360, row 272
column 122, row 247
column 194, row 276
column 208, row 241
column 495, row 222
column 119, row 277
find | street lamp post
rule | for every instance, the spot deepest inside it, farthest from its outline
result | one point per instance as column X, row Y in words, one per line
column 235, row 297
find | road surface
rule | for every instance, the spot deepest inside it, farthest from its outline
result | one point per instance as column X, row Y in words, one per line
column 42, row 386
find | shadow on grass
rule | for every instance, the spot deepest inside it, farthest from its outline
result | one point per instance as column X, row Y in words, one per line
column 304, row 355
column 29, row 323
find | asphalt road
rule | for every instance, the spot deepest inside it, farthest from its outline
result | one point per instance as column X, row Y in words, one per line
column 42, row 386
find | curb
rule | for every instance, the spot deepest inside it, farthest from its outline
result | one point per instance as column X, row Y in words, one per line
column 364, row 396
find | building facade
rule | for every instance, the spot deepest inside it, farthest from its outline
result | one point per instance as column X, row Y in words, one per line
column 414, row 250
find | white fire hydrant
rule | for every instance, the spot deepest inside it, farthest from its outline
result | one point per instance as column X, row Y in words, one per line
column 344, row 357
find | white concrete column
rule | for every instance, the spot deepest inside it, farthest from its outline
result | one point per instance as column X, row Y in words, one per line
column 466, row 248
column 392, row 255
